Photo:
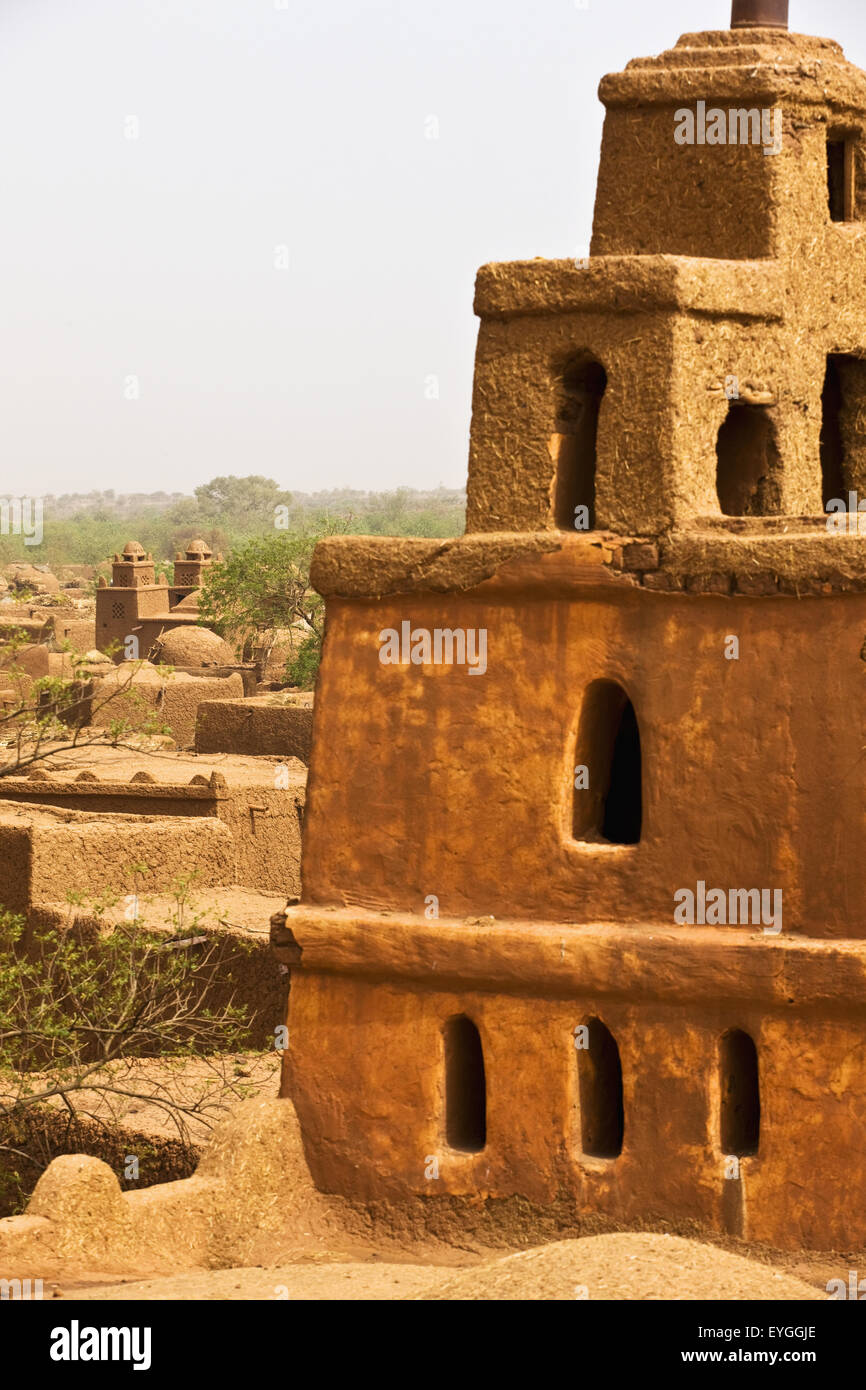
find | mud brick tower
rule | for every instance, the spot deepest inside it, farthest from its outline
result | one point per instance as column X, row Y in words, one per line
column 136, row 605
column 189, row 569
column 500, row 992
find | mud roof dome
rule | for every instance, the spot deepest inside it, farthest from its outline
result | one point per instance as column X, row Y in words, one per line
column 198, row 550
column 193, row 646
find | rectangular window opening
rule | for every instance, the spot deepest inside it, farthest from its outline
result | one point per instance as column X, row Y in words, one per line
column 843, row 429
column 840, row 178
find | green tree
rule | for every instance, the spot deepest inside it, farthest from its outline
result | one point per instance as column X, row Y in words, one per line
column 253, row 498
column 263, row 585
column 76, row 1017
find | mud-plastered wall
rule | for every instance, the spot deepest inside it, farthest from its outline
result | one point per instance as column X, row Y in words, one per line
column 52, row 853
column 462, row 785
column 369, row 1076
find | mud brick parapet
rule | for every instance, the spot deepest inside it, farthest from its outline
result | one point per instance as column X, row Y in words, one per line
column 256, row 728
column 42, row 847
column 260, row 818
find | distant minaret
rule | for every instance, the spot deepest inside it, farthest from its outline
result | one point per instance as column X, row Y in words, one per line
column 133, row 568
column 189, row 569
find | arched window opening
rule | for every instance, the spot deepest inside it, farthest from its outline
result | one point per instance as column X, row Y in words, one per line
column 749, row 467
column 607, row 801
column 581, row 388
column 602, row 1114
column 740, row 1092
column 465, row 1086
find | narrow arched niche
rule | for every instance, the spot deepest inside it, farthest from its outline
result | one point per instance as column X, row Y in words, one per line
column 740, row 1119
column 602, row 1110
column 748, row 463
column 465, row 1086
column 607, row 802
column 843, row 427
column 833, row 483
column 580, row 388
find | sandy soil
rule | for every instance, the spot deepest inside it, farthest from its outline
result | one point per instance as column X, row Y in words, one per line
column 627, row 1266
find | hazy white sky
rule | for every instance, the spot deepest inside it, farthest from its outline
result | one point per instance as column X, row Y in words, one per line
column 296, row 124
